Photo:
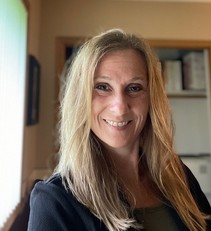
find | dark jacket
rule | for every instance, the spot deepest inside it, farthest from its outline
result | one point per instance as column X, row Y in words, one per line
column 52, row 208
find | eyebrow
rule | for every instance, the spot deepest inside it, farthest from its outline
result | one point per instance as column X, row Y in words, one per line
column 130, row 80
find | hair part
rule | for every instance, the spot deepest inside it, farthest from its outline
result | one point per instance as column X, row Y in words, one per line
column 85, row 168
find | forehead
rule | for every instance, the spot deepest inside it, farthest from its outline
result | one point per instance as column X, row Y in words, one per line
column 128, row 61
column 127, row 53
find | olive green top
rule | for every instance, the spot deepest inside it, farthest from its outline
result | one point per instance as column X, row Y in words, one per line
column 155, row 219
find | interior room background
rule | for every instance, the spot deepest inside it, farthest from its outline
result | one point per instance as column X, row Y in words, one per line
column 50, row 19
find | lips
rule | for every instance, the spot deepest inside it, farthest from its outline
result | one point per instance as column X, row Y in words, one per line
column 117, row 124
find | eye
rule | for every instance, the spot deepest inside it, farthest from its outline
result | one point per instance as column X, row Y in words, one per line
column 134, row 88
column 102, row 87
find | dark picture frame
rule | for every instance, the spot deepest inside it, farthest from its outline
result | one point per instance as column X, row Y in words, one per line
column 33, row 91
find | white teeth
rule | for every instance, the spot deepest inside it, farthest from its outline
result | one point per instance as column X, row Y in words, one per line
column 116, row 124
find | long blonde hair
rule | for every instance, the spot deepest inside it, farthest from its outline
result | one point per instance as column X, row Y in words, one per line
column 83, row 165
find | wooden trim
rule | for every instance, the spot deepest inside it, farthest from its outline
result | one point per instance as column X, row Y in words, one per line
column 180, row 44
column 26, row 4
column 61, row 44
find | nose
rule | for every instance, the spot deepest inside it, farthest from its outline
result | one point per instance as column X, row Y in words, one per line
column 119, row 104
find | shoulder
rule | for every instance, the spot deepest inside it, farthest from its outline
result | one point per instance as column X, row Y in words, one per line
column 52, row 207
column 193, row 184
column 51, row 191
column 197, row 193
column 51, row 188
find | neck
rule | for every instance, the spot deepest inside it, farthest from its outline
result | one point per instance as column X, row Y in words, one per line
column 126, row 162
column 137, row 187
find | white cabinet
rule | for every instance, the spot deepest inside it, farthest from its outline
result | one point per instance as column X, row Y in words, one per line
column 192, row 125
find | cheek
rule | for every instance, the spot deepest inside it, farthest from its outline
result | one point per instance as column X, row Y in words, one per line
column 99, row 104
column 96, row 109
column 93, row 115
column 142, row 113
column 142, row 107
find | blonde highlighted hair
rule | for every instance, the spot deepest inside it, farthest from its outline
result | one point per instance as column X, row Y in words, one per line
column 83, row 165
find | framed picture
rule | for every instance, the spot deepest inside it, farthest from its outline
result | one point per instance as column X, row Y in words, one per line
column 33, row 91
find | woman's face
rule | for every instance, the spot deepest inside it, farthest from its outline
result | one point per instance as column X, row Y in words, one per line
column 120, row 99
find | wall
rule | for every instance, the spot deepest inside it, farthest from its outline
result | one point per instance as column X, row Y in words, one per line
column 31, row 132
column 83, row 18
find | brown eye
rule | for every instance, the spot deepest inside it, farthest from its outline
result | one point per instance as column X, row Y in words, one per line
column 102, row 87
column 134, row 88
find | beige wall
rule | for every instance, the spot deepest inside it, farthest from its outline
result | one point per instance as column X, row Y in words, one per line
column 83, row 17
column 31, row 132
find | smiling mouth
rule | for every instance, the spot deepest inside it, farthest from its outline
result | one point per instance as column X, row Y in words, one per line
column 117, row 124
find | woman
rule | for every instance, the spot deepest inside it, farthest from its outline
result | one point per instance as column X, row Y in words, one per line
column 118, row 169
